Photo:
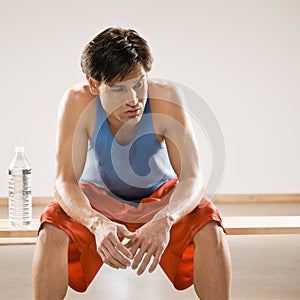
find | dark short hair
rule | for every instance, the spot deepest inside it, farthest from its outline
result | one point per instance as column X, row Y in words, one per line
column 114, row 53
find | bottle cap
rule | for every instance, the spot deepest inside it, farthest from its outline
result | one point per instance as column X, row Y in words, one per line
column 19, row 149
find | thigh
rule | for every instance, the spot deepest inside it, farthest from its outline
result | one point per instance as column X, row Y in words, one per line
column 178, row 259
column 83, row 259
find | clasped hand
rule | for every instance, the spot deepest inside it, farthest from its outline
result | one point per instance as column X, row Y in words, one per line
column 148, row 242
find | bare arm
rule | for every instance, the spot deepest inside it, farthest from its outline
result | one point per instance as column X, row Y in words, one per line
column 71, row 149
column 173, row 122
column 72, row 140
column 184, row 157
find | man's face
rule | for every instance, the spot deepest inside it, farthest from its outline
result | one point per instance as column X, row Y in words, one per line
column 125, row 100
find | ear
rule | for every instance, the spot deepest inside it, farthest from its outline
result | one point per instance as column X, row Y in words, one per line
column 93, row 85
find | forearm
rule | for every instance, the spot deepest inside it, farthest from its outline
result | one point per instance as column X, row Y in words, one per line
column 184, row 199
column 76, row 205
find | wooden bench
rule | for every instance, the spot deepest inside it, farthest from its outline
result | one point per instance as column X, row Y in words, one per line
column 247, row 225
column 234, row 225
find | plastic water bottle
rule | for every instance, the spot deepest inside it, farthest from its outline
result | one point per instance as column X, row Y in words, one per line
column 19, row 190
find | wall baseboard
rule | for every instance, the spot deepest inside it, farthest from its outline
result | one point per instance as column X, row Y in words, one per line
column 256, row 198
column 36, row 201
column 219, row 198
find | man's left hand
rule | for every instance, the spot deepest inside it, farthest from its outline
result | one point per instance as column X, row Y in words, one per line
column 151, row 241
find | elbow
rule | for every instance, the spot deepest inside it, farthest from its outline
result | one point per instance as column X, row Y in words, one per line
column 195, row 180
column 195, row 175
column 57, row 192
column 63, row 187
column 57, row 186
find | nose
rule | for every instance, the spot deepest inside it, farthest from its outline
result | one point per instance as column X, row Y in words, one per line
column 132, row 99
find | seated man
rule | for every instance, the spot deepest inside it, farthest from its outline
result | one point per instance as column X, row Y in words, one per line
column 129, row 189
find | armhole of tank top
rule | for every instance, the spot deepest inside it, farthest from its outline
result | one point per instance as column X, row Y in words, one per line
column 162, row 144
column 97, row 123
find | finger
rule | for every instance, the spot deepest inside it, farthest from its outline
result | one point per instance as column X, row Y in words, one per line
column 145, row 263
column 138, row 257
column 110, row 260
column 120, row 247
column 155, row 262
column 116, row 256
column 105, row 258
column 124, row 232
column 134, row 246
column 111, row 265
column 129, row 244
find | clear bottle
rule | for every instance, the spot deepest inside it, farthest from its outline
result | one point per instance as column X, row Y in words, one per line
column 19, row 190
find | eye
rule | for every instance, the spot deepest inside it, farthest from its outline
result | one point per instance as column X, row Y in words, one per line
column 138, row 85
column 118, row 89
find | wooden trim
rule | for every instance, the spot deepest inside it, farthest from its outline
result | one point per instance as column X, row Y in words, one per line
column 18, row 241
column 7, row 231
column 219, row 198
column 246, row 225
column 256, row 198
column 36, row 201
column 3, row 202
column 234, row 226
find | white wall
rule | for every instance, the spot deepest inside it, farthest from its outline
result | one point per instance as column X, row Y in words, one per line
column 242, row 57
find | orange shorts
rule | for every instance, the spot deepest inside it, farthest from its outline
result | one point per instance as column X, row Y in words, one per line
column 84, row 261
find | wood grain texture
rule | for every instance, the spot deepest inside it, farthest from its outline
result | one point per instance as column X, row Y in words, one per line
column 219, row 198
column 234, row 226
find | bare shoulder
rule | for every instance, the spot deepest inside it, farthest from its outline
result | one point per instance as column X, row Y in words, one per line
column 166, row 96
column 165, row 90
column 76, row 98
column 77, row 108
column 166, row 99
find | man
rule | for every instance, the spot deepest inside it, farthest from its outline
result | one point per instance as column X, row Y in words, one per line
column 129, row 188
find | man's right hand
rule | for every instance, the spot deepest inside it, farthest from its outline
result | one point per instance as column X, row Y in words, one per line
column 109, row 246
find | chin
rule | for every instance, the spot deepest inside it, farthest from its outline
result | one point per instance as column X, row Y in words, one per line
column 134, row 120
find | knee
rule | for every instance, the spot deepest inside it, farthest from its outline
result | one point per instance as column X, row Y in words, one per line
column 52, row 236
column 212, row 234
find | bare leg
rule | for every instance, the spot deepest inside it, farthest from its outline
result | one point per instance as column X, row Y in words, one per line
column 50, row 264
column 212, row 263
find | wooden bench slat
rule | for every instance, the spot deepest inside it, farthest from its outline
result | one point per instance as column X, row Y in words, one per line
column 262, row 225
column 234, row 226
column 7, row 231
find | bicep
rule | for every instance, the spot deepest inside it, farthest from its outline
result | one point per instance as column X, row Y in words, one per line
column 181, row 142
column 182, row 151
column 71, row 144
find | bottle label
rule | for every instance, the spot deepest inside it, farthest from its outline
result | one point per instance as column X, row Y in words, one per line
column 19, row 171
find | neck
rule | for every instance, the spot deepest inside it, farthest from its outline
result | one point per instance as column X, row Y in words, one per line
column 123, row 132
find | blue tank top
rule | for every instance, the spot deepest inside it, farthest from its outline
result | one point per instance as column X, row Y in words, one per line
column 131, row 172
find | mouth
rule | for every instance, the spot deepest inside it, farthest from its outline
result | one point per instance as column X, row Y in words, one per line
column 133, row 112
